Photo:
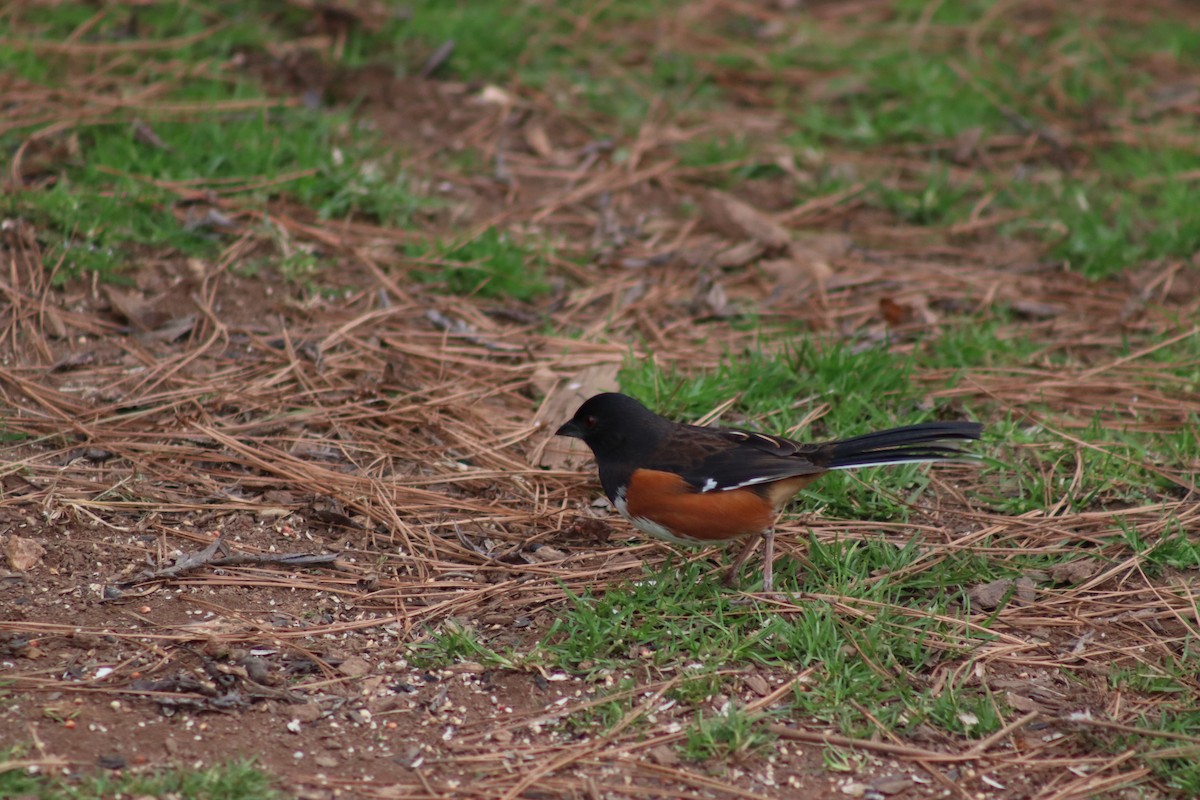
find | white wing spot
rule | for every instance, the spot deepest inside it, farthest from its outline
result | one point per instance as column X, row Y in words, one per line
column 709, row 485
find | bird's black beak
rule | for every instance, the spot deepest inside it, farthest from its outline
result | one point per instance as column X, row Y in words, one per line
column 570, row 428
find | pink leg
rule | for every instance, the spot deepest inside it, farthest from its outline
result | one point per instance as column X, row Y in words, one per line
column 768, row 568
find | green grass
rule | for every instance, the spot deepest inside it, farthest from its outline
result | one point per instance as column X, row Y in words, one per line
column 491, row 265
column 1171, row 683
column 938, row 201
column 714, row 152
column 730, row 734
column 239, row 780
column 678, row 616
column 106, row 206
column 1098, row 218
column 109, row 199
column 453, row 643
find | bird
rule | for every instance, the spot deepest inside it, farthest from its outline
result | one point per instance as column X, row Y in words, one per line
column 699, row 486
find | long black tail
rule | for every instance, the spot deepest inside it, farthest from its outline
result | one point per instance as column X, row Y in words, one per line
column 907, row 444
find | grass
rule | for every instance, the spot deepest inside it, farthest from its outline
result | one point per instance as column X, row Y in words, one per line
column 114, row 199
column 491, row 265
column 680, row 615
column 118, row 187
column 233, row 781
column 730, row 734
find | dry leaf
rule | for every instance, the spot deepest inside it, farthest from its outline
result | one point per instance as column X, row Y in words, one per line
column 740, row 221
column 739, row 255
column 892, row 784
column 538, row 141
column 560, row 406
column 23, row 554
column 894, row 313
column 1032, row 309
column 797, row 276
column 757, row 684
column 492, row 95
column 354, row 667
column 663, row 756
column 1076, row 571
column 988, row 596
column 1021, row 703
column 916, row 309
column 546, row 553
column 544, row 380
column 717, row 301
column 134, row 310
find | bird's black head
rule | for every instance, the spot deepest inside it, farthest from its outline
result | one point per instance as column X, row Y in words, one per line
column 612, row 424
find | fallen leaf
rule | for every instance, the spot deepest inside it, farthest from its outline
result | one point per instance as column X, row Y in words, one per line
column 758, row 684
column 538, row 141
column 74, row 361
column 916, row 309
column 1021, row 703
column 23, row 554
column 740, row 221
column 892, row 784
column 1076, row 571
column 546, row 553
column 988, row 596
column 663, row 756
column 738, row 255
column 1032, row 309
column 492, row 95
column 894, row 313
column 797, row 276
column 544, row 380
column 354, row 667
column 717, row 301
column 966, row 145
column 560, row 406
column 134, row 310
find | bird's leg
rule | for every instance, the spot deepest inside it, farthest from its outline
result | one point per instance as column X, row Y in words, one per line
column 731, row 574
column 768, row 567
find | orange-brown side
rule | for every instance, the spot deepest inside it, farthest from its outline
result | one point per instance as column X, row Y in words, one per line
column 668, row 500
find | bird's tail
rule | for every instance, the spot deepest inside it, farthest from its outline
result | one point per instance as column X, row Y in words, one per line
column 905, row 445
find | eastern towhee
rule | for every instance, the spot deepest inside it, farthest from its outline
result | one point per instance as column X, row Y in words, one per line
column 708, row 486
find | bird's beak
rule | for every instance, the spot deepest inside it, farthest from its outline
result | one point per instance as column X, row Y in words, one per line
column 570, row 428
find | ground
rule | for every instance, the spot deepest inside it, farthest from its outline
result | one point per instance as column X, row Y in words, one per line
column 287, row 490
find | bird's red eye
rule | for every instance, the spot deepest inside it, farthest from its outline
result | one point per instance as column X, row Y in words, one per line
column 591, row 421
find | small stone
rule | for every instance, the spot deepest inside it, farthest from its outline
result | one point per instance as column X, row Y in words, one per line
column 326, row 761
